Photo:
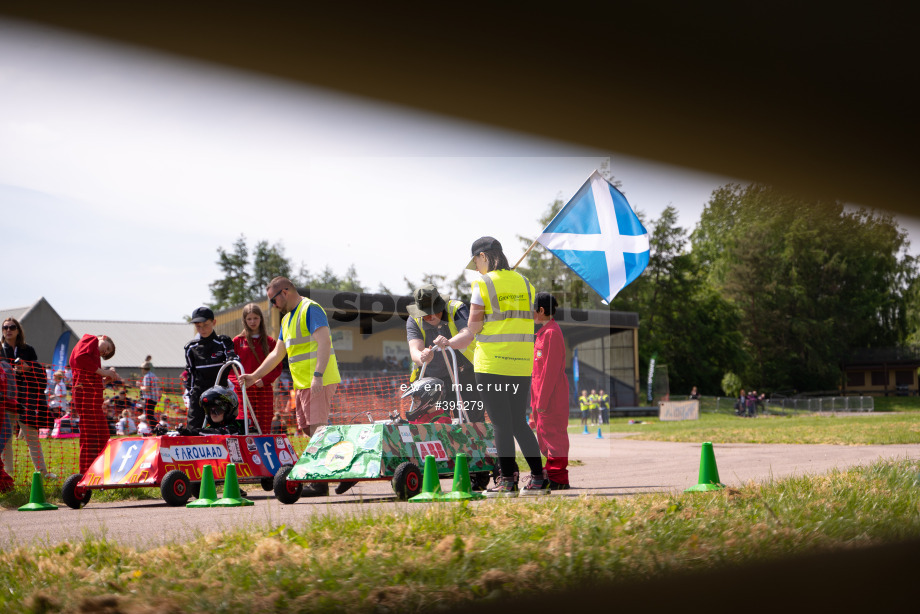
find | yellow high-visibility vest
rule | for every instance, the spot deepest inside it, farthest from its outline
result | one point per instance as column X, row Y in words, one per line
column 452, row 308
column 504, row 346
column 302, row 348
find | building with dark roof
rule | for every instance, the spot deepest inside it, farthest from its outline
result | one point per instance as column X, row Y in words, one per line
column 134, row 341
column 369, row 334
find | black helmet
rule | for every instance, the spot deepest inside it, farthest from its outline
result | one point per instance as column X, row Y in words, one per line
column 426, row 394
column 219, row 400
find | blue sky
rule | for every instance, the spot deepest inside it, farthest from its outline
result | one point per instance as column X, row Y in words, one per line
column 122, row 171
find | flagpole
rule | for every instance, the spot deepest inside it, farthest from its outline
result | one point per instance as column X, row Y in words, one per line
column 525, row 253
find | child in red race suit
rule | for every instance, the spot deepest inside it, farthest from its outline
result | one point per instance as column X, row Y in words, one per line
column 86, row 399
column 549, row 393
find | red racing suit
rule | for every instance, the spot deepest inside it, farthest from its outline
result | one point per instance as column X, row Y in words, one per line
column 6, row 481
column 262, row 398
column 549, row 398
column 87, row 399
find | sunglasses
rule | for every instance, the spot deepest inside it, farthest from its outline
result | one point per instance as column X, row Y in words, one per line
column 272, row 299
column 10, row 327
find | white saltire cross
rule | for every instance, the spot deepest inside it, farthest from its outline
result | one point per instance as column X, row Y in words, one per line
column 609, row 240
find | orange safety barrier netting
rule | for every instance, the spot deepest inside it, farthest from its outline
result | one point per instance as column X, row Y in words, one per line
column 54, row 447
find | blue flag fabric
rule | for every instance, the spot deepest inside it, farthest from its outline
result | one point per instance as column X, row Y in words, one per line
column 599, row 237
column 575, row 366
column 60, row 351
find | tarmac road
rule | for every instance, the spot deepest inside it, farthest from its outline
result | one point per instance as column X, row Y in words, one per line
column 612, row 466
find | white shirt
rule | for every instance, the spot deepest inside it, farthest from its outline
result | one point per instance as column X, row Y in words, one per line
column 126, row 426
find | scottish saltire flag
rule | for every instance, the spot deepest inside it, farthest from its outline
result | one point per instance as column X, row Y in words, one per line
column 599, row 236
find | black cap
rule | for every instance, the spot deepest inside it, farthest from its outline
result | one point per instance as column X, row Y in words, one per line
column 427, row 302
column 485, row 244
column 482, row 244
column 201, row 314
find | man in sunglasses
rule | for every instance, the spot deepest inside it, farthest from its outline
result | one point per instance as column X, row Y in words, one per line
column 308, row 346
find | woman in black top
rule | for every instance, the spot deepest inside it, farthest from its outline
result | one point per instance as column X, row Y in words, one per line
column 30, row 380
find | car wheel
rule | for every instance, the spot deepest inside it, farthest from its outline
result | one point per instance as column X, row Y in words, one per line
column 73, row 495
column 407, row 481
column 286, row 492
column 175, row 488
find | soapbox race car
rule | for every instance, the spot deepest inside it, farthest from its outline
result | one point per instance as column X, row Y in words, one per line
column 174, row 462
column 394, row 450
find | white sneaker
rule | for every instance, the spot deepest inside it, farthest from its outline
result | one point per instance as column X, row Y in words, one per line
column 538, row 486
column 504, row 488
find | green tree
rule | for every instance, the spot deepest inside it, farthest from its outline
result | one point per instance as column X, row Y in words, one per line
column 461, row 288
column 457, row 288
column 731, row 384
column 329, row 280
column 351, row 283
column 436, row 280
column 690, row 327
column 234, row 287
column 268, row 262
column 240, row 285
column 811, row 281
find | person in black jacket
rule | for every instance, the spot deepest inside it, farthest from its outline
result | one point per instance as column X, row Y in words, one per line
column 204, row 356
column 30, row 380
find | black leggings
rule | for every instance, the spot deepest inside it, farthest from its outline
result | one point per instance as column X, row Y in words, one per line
column 507, row 409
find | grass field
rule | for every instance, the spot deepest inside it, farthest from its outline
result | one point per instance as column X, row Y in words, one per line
column 856, row 429
column 413, row 559
column 886, row 404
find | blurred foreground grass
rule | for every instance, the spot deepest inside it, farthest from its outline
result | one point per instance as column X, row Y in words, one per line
column 425, row 557
column 856, row 429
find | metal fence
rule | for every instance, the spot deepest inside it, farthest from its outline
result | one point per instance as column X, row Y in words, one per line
column 788, row 406
column 823, row 404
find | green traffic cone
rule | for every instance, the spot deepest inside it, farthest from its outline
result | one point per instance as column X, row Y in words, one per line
column 208, row 493
column 709, row 473
column 462, row 490
column 231, row 493
column 37, row 496
column 431, row 484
